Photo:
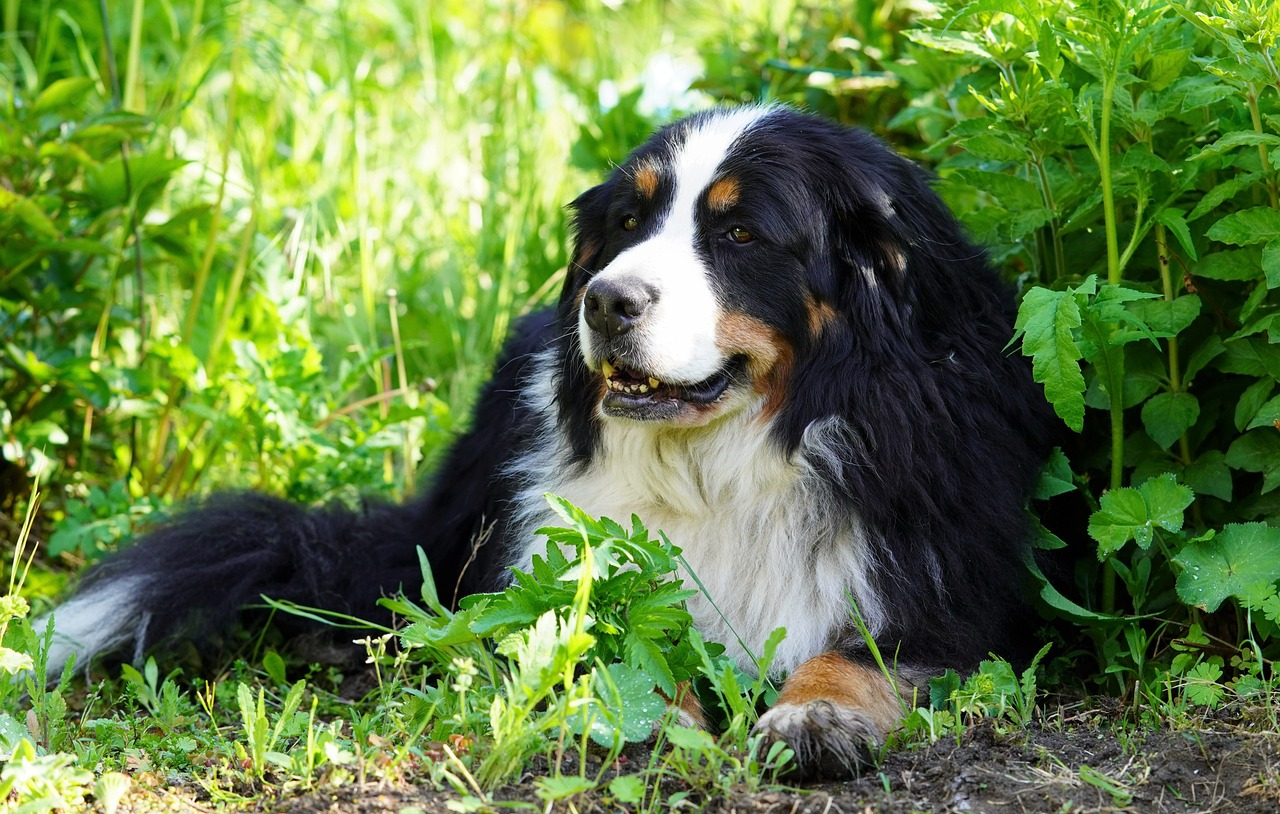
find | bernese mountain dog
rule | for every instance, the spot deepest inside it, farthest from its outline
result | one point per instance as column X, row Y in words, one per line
column 774, row 344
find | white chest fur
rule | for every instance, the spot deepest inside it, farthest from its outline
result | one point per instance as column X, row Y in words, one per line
column 755, row 527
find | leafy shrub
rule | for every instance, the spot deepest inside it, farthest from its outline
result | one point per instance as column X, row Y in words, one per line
column 1117, row 157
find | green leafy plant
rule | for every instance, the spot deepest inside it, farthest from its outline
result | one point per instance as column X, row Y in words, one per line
column 1118, row 155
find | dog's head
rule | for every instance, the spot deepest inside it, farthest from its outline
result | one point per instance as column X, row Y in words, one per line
column 741, row 255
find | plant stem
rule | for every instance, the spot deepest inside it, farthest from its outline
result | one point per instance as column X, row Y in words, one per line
column 1104, row 169
column 132, row 86
column 1251, row 97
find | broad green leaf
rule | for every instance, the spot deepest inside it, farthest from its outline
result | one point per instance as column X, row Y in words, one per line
column 628, row 789
column 1050, row 56
column 1046, row 321
column 1210, row 475
column 950, row 43
column 1053, row 598
column 1055, row 478
column 1258, row 451
column 1223, row 192
column 1167, row 416
column 631, row 705
column 1240, row 138
column 63, row 93
column 1251, row 401
column 1167, row 66
column 1129, row 513
column 1259, row 224
column 1123, row 517
column 1229, row 564
column 1205, row 352
column 1232, row 264
column 1202, row 685
column 1267, row 416
column 1167, row 317
column 1176, row 222
column 1271, row 263
column 561, row 786
column 1014, row 193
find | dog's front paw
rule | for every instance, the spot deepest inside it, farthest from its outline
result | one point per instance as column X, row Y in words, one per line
column 828, row 739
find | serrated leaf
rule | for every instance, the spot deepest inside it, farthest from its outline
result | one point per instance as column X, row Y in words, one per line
column 1205, row 352
column 1223, row 192
column 1176, row 222
column 1167, row 318
column 1271, row 263
column 1167, row 416
column 1202, row 685
column 1229, row 564
column 1251, row 401
column 1046, row 321
column 561, row 786
column 1050, row 56
column 1257, row 451
column 950, row 43
column 1210, row 475
column 1127, row 513
column 1232, row 264
column 1240, row 138
column 1259, row 224
column 1123, row 517
column 628, row 789
column 1055, row 477
column 1267, row 416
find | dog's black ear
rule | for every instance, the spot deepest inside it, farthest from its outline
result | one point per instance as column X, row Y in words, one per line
column 589, row 218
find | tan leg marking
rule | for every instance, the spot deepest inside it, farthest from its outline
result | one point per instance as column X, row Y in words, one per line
column 830, row 712
column 832, row 677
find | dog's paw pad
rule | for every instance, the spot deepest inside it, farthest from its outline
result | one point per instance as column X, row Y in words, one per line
column 828, row 739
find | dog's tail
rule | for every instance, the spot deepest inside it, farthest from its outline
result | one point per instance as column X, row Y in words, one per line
column 190, row 577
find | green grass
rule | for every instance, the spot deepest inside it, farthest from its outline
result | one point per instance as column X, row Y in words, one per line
column 332, row 212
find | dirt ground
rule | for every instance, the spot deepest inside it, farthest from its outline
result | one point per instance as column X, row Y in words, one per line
column 1086, row 764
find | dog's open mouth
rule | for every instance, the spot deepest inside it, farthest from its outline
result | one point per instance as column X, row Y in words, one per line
column 637, row 395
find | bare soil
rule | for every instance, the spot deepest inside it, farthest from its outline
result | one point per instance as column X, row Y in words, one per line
column 1085, row 763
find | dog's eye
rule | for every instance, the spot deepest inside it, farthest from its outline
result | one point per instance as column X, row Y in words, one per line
column 739, row 235
column 630, row 222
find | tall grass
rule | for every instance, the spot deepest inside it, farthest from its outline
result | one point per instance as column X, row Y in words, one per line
column 310, row 176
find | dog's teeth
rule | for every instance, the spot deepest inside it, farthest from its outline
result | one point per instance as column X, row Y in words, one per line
column 654, row 383
column 644, row 388
column 607, row 369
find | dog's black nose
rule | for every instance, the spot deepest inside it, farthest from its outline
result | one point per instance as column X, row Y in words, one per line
column 613, row 307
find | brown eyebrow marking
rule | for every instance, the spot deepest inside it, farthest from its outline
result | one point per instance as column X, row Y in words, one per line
column 646, row 179
column 723, row 194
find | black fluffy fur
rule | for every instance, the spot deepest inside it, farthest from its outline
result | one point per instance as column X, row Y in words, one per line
column 945, row 429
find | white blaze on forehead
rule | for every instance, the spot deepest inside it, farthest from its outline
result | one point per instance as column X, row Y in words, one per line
column 696, row 161
column 676, row 341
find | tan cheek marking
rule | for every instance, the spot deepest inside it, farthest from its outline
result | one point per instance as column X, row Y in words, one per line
column 832, row 677
column 821, row 315
column 723, row 194
column 583, row 251
column 646, row 179
column 769, row 356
